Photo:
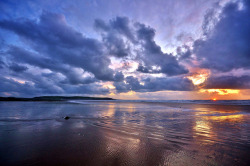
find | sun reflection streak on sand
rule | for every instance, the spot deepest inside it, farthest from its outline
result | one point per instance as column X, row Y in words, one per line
column 110, row 112
column 207, row 121
column 203, row 130
column 229, row 118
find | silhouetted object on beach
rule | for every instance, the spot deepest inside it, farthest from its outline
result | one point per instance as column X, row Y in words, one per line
column 66, row 117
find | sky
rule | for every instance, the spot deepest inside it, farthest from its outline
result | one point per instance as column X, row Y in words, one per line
column 126, row 49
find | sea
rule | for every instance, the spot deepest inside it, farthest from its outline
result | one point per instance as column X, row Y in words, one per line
column 125, row 132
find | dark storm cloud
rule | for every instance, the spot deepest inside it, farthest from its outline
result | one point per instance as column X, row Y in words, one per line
column 39, row 85
column 119, row 25
column 152, row 56
column 72, row 76
column 53, row 39
column 139, row 42
column 14, row 88
column 45, row 84
column 17, row 68
column 116, row 46
column 154, row 84
column 171, row 83
column 131, row 83
column 68, row 55
column 52, row 83
column 62, row 79
column 113, row 33
column 57, row 43
column 2, row 64
column 71, row 63
column 86, row 89
column 228, row 82
column 184, row 53
column 122, row 25
column 119, row 76
column 226, row 46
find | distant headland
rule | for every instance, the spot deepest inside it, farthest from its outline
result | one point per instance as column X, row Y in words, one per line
column 53, row 98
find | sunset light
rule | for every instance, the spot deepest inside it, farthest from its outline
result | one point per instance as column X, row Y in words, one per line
column 124, row 82
column 220, row 91
column 108, row 85
column 199, row 77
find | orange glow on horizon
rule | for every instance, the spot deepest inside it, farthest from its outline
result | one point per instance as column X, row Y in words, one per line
column 131, row 92
column 179, row 95
column 214, row 99
column 220, row 91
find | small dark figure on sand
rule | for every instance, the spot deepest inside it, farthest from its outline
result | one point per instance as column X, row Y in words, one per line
column 66, row 117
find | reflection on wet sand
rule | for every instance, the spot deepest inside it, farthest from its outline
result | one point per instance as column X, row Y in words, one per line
column 228, row 118
column 115, row 133
column 202, row 128
column 110, row 112
column 210, row 124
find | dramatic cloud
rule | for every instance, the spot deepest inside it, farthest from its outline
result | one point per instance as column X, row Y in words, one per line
column 112, row 48
column 154, row 84
column 46, row 85
column 228, row 82
column 227, row 44
column 58, row 43
column 124, row 38
column 153, row 60
column 17, row 68
column 1, row 64
column 54, row 45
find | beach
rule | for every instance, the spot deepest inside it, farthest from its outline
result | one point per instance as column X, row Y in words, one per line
column 124, row 133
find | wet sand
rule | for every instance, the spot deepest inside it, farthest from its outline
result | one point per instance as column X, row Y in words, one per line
column 123, row 133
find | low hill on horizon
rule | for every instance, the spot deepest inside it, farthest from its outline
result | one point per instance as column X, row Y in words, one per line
column 53, row 98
